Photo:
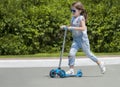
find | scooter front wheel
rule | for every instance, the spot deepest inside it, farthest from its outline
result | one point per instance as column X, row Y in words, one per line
column 52, row 73
column 62, row 74
column 79, row 73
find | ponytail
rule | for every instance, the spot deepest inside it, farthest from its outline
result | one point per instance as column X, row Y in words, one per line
column 84, row 13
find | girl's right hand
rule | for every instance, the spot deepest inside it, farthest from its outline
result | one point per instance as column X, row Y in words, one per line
column 64, row 27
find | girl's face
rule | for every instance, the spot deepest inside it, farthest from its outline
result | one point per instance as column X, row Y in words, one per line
column 75, row 12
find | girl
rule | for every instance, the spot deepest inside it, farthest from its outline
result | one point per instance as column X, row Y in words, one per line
column 80, row 37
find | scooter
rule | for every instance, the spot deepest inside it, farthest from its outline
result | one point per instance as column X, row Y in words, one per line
column 60, row 72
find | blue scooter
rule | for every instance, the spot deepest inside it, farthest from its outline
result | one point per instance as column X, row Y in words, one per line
column 59, row 72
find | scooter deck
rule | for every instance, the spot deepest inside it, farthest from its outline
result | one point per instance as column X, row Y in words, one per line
column 79, row 74
column 75, row 75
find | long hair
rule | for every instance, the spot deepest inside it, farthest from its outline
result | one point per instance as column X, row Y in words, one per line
column 78, row 5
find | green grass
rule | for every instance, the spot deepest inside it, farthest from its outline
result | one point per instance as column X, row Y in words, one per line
column 47, row 55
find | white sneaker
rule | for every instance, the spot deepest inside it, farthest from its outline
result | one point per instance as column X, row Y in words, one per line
column 102, row 67
column 70, row 72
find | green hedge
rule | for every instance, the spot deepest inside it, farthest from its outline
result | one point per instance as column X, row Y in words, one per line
column 32, row 26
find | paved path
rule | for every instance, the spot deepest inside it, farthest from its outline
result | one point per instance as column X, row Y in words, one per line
column 38, row 77
column 35, row 73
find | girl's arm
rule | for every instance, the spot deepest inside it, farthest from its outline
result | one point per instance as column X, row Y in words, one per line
column 82, row 28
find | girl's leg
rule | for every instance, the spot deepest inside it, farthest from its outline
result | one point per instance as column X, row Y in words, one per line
column 86, row 49
column 71, row 57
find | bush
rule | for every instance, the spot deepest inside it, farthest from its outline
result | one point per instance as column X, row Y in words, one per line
column 34, row 24
column 12, row 45
column 104, row 26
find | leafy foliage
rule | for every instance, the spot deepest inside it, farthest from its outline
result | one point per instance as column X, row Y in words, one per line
column 32, row 26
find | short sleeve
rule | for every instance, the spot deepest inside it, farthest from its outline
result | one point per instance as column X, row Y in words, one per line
column 82, row 18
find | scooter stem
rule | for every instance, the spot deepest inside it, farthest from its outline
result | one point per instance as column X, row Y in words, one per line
column 63, row 46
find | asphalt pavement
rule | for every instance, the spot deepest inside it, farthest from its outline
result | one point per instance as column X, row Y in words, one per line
column 39, row 77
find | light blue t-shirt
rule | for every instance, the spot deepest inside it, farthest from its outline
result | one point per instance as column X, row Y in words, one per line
column 78, row 35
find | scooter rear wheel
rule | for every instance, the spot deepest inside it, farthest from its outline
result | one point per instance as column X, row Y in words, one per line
column 79, row 73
